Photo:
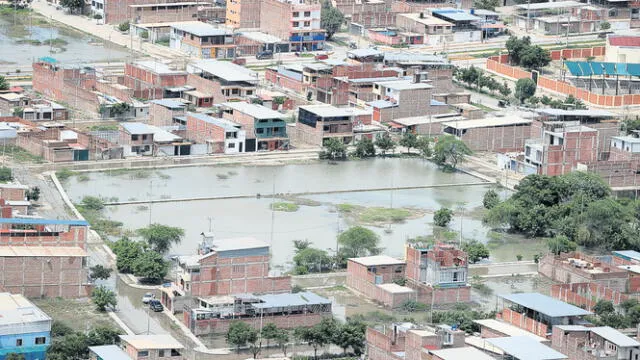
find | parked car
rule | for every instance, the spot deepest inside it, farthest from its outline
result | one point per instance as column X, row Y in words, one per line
column 155, row 305
column 267, row 54
column 148, row 297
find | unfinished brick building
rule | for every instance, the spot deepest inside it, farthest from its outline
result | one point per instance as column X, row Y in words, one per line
column 40, row 257
column 594, row 343
column 375, row 277
column 151, row 79
column 576, row 267
column 71, row 84
column 501, row 134
column 408, row 342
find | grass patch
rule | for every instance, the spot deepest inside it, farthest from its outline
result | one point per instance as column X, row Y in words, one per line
column 34, row 42
column 21, row 155
column 83, row 177
column 380, row 214
column 79, row 314
column 284, row 206
column 141, row 174
column 64, row 174
column 301, row 201
column 483, row 107
column 346, row 208
column 57, row 42
column 110, row 127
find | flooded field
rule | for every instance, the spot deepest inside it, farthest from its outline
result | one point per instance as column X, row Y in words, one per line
column 25, row 37
column 317, row 218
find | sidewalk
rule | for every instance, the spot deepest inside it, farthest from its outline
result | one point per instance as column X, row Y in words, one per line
column 106, row 32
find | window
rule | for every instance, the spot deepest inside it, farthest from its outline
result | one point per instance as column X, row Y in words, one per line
column 249, row 92
column 206, row 100
column 232, row 145
column 175, row 352
column 18, row 342
column 161, row 352
column 307, row 23
column 144, row 353
column 260, row 131
column 296, row 14
column 41, row 340
column 134, row 137
column 296, row 24
column 307, row 13
column 144, row 137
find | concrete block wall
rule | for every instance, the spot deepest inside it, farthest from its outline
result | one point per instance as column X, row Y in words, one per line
column 285, row 82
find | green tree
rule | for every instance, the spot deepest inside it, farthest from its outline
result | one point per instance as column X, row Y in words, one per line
column 269, row 332
column 424, row 146
column 103, row 335
column 92, row 203
column 312, row 259
column 318, row 335
column 409, row 140
column 282, row 338
column 100, row 272
column 73, row 5
column 4, row 84
column 605, row 25
column 334, row 149
column 103, row 297
column 33, row 194
column 5, row 174
column 300, row 245
column 350, row 335
column 240, row 334
column 525, row 88
column 535, row 57
column 442, row 217
column 124, row 26
column 73, row 346
column 365, row 148
column 450, row 151
column 161, row 237
column 151, row 266
column 475, row 250
column 357, row 242
column 505, row 90
column 385, row 143
column 490, row 199
column 515, row 48
column 330, row 18
column 59, row 329
column 603, row 307
column 14, row 356
column 127, row 252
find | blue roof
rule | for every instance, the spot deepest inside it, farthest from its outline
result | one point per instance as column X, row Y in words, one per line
column 48, row 59
column 169, row 103
column 455, row 14
column 42, row 221
column 109, row 352
column 525, row 348
column 588, row 68
column 627, row 254
column 545, row 305
column 297, row 299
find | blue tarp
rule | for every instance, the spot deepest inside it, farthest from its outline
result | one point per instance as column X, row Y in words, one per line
column 588, row 68
column 48, row 59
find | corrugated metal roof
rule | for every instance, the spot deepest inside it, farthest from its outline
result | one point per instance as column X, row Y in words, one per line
column 148, row 342
column 545, row 304
column 297, row 299
column 254, row 110
column 627, row 254
column 135, row 128
column 615, row 337
column 172, row 104
column 223, row 123
column 455, row 14
column 525, row 348
column 225, row 70
column 377, row 260
column 462, row 353
column 31, row 221
column 507, row 329
column 109, row 352
column 200, row 29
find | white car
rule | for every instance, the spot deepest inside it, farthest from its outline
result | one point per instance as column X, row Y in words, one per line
column 148, row 297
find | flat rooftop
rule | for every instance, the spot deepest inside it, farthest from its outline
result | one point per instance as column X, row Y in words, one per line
column 377, row 260
column 332, row 111
column 109, row 352
column 395, row 288
column 157, row 67
column 487, row 122
column 404, row 85
column 144, row 342
column 199, row 28
column 42, row 251
column 461, row 353
column 260, row 37
column 627, row 254
column 254, row 110
column 455, row 14
column 298, row 299
column 168, row 103
column 525, row 348
column 225, row 70
column 223, row 123
column 31, row 221
column 16, row 309
column 545, row 305
column 507, row 329
column 583, row 113
column 614, row 336
column 426, row 20
column 550, row 5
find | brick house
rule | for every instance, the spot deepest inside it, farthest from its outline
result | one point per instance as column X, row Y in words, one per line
column 406, row 341
column 266, row 129
column 317, row 123
column 243, row 14
column 151, row 347
column 223, row 80
column 537, row 313
column 287, row 311
column 625, row 148
column 41, row 257
column 152, row 79
column 202, row 40
column 576, row 267
column 492, row 328
column 153, row 13
column 10, row 101
column 401, row 98
column 523, row 348
column 66, row 83
column 296, row 21
column 375, row 277
column 165, row 112
column 499, row 134
column 229, row 266
column 220, row 135
column 44, row 110
column 594, row 343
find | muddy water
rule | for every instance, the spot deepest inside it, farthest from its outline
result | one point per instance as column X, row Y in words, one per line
column 318, row 224
column 16, row 34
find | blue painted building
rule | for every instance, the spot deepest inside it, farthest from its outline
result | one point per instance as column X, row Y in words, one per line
column 24, row 328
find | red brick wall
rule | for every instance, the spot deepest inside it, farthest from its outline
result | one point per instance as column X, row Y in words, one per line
column 207, row 87
column 587, row 294
column 219, row 326
column 44, row 276
column 285, row 82
column 11, row 194
column 500, row 139
column 524, row 322
column 380, row 346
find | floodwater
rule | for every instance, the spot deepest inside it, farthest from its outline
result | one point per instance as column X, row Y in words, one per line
column 319, row 224
column 16, row 48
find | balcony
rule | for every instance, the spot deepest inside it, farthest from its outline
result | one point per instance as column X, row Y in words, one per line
column 295, row 38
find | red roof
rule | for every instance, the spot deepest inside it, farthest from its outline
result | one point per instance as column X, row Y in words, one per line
column 633, row 41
